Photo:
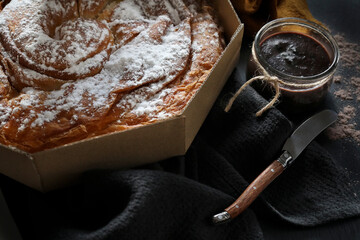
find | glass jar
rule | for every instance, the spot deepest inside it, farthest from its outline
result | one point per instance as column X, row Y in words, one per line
column 301, row 54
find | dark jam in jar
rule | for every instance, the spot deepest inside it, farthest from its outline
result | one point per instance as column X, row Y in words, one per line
column 302, row 55
column 295, row 54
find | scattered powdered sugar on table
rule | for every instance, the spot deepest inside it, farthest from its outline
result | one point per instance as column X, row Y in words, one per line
column 345, row 126
column 347, row 90
column 344, row 94
column 349, row 52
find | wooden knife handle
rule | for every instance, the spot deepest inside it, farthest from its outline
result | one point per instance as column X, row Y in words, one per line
column 255, row 188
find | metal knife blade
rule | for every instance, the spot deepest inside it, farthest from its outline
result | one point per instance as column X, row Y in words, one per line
column 307, row 132
column 292, row 148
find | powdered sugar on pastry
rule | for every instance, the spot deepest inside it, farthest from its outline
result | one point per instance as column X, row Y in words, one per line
column 81, row 70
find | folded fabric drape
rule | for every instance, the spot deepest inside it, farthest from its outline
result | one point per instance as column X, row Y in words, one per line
column 255, row 13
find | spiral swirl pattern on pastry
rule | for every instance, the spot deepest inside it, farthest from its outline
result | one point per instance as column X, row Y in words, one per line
column 78, row 69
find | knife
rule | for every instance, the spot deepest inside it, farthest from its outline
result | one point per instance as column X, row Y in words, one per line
column 292, row 148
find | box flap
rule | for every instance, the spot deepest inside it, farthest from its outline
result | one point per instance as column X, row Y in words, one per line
column 228, row 18
column 19, row 166
column 57, row 167
column 200, row 105
column 123, row 149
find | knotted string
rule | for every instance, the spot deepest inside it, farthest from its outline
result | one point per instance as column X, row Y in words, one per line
column 271, row 79
column 265, row 76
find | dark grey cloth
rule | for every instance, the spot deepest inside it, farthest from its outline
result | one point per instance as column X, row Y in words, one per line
column 312, row 191
column 175, row 199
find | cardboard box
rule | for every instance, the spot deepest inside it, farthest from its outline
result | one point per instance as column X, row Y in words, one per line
column 54, row 168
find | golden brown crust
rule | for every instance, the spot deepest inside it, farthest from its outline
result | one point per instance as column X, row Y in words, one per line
column 154, row 65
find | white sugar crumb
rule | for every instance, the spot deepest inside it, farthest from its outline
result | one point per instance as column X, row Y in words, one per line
column 46, row 116
column 23, row 124
column 5, row 113
column 150, row 106
column 147, row 107
column 28, row 102
column 89, row 4
column 128, row 10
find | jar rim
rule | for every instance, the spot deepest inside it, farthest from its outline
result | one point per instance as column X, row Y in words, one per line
column 306, row 24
